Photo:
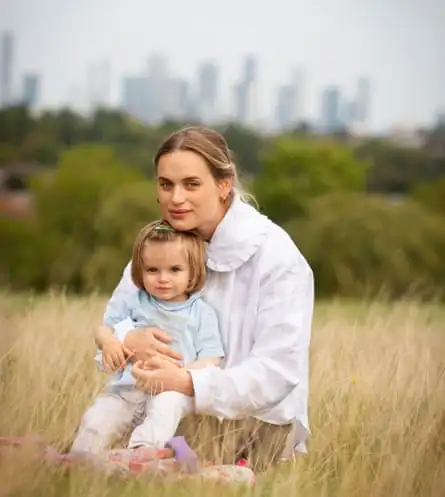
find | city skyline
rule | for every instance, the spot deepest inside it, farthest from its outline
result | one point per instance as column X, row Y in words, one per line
column 406, row 71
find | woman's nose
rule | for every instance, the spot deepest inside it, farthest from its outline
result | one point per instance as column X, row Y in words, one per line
column 178, row 195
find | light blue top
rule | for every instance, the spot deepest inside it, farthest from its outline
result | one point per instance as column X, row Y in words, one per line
column 192, row 325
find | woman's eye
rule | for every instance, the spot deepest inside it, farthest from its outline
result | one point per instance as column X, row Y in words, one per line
column 165, row 186
column 192, row 185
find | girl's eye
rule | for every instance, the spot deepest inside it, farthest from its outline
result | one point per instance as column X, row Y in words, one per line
column 151, row 270
column 176, row 269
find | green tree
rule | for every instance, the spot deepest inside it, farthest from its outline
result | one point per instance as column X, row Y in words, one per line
column 394, row 169
column 39, row 147
column 22, row 255
column 246, row 147
column 117, row 223
column 67, row 200
column 297, row 170
column 361, row 245
column 8, row 154
column 15, row 123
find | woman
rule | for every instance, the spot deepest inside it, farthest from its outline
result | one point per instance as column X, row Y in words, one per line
column 263, row 292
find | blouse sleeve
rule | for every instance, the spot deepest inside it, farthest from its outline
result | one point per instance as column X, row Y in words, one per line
column 280, row 350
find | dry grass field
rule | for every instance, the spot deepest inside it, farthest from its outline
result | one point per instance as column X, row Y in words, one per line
column 377, row 401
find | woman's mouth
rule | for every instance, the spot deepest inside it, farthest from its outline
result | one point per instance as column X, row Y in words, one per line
column 179, row 213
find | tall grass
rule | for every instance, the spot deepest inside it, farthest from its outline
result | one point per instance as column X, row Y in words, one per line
column 377, row 401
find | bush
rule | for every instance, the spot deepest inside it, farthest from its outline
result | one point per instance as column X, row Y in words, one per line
column 362, row 246
column 22, row 254
column 117, row 223
column 54, row 249
column 431, row 195
column 298, row 170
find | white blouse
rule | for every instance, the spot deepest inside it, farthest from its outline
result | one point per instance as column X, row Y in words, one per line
column 262, row 289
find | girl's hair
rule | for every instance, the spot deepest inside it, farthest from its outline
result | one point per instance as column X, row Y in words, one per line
column 161, row 232
column 212, row 147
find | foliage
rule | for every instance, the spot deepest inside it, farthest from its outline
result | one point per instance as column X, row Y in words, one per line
column 118, row 221
column 67, row 201
column 94, row 192
column 395, row 169
column 362, row 245
column 431, row 195
column 295, row 171
column 22, row 255
column 26, row 138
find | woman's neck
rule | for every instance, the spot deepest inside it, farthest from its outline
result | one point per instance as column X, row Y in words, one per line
column 206, row 231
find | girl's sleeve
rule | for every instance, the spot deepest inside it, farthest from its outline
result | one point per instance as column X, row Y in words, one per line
column 117, row 309
column 208, row 341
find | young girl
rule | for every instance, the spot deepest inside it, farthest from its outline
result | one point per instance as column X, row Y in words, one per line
column 168, row 267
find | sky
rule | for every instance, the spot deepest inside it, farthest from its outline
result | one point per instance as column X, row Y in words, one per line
column 398, row 44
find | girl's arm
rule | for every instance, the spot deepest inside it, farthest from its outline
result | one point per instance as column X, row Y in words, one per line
column 102, row 335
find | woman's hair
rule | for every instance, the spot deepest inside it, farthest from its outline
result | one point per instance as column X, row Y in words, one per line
column 212, row 147
column 161, row 232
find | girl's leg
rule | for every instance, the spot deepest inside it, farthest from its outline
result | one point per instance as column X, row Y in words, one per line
column 103, row 422
column 163, row 413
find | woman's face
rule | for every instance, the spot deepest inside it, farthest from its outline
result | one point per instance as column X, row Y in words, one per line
column 189, row 196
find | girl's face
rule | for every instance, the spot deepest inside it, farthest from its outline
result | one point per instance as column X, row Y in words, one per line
column 166, row 274
column 189, row 196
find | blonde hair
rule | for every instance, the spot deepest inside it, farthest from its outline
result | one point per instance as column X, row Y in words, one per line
column 213, row 148
column 161, row 232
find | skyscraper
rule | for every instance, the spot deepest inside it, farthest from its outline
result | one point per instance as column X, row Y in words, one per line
column 283, row 109
column 246, row 94
column 331, row 110
column 158, row 74
column 6, row 68
column 362, row 100
column 31, row 89
column 136, row 97
column 98, row 84
column 289, row 111
column 207, row 94
column 178, row 101
column 250, row 69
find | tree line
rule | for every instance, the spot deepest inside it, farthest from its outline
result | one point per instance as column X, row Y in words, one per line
column 367, row 214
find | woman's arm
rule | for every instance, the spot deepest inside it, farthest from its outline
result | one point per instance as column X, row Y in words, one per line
column 272, row 369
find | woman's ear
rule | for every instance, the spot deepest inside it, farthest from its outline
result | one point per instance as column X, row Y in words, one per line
column 225, row 188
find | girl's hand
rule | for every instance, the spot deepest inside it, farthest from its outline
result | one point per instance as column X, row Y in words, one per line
column 114, row 355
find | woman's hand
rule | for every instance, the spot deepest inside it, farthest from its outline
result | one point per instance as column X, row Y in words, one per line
column 149, row 342
column 158, row 374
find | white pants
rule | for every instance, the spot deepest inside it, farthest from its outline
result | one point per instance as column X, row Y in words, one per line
column 114, row 410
